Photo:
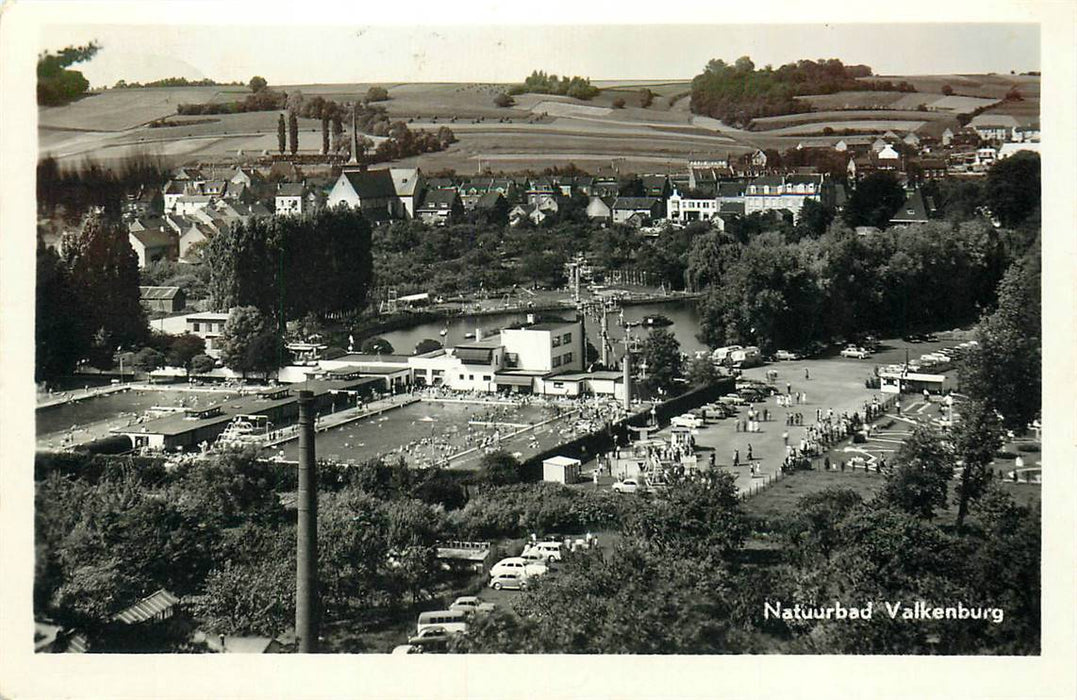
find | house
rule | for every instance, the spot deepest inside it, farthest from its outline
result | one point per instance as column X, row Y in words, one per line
column 153, row 245
column 686, row 208
column 173, row 191
column 879, row 144
column 606, row 185
column 782, row 192
column 913, row 211
column 195, row 234
column 932, row 168
column 493, row 207
column 408, row 186
column 167, row 299
column 528, row 212
column 655, row 186
column 600, row 208
column 208, row 326
column 191, row 202
column 215, row 188
column 379, row 194
column 758, row 159
column 561, row 470
column 146, row 202
column 1008, row 149
column 1026, row 133
column 157, row 606
column 289, row 198
column 888, row 152
column 985, row 157
column 947, row 136
column 440, row 207
column 994, row 127
column 649, row 208
column 911, row 139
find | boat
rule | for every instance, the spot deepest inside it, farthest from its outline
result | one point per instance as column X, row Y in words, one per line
column 657, row 321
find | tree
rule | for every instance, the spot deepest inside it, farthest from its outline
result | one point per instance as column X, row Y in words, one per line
column 202, row 364
column 148, row 359
column 248, row 342
column 917, row 481
column 662, row 354
column 1005, row 369
column 60, row 339
column 293, row 132
column 376, row 346
column 325, row 134
column 427, row 345
column 183, row 350
column 947, row 90
column 104, row 268
column 818, row 517
column 977, row 438
column 1012, row 190
column 228, row 489
column 646, row 97
column 499, row 469
column 874, row 201
column 619, row 103
column 257, row 83
column 281, row 140
column 55, row 84
column 376, row 93
column 702, row 372
column 504, row 100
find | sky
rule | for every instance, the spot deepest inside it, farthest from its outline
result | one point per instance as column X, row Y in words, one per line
column 507, row 53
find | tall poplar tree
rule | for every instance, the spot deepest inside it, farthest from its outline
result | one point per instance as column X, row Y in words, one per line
column 280, row 133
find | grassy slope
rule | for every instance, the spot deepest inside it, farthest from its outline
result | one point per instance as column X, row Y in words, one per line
column 109, row 124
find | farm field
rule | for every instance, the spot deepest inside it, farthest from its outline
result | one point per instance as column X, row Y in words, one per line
column 865, row 125
column 538, row 131
column 769, row 123
column 868, row 100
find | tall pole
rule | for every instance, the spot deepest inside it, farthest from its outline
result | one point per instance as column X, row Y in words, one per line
column 628, row 378
column 306, row 589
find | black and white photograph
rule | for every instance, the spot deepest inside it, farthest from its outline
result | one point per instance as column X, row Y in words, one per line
column 615, row 344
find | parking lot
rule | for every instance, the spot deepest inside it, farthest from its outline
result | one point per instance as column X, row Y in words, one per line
column 829, row 383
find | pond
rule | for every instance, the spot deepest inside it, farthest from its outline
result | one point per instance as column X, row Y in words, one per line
column 684, row 314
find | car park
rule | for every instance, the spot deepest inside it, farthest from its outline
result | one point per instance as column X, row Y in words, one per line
column 471, row 604
column 508, row 581
column 855, row 352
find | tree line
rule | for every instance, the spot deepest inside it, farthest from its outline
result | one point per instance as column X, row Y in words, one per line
column 287, row 267
column 737, row 93
column 549, row 84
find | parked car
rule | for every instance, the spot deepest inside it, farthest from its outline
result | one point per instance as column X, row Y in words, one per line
column 687, row 420
column 431, row 636
column 627, row 486
column 509, row 581
column 517, row 565
column 407, row 649
column 550, row 551
column 855, row 352
column 734, row 399
column 786, row 355
column 471, row 604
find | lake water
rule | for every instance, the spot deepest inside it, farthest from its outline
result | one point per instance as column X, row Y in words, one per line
column 684, row 314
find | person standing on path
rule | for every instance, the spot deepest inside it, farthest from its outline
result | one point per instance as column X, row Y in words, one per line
column 736, row 458
column 788, row 388
column 785, row 437
column 807, row 377
column 749, row 451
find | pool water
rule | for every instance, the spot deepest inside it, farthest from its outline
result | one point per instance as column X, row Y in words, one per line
column 423, row 432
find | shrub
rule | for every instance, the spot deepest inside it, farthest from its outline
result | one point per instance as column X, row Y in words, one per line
column 619, row 103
